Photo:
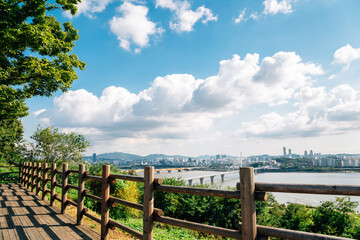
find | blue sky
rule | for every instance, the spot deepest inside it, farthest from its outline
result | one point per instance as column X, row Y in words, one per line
column 209, row 77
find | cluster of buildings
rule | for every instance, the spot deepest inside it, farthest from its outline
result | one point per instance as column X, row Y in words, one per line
column 318, row 160
column 221, row 159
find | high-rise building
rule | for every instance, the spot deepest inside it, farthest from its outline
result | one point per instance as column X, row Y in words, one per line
column 289, row 152
column 284, row 151
column 311, row 153
column 305, row 154
column 94, row 157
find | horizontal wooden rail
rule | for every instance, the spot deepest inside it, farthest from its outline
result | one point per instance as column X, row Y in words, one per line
column 72, row 171
column 93, row 197
column 259, row 196
column 91, row 177
column 96, row 219
column 199, row 227
column 292, row 234
column 71, row 202
column 127, row 177
column 72, row 187
column 133, row 232
column 309, row 188
column 137, row 206
column 157, row 181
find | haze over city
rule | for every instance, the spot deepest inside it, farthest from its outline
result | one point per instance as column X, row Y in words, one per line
column 208, row 77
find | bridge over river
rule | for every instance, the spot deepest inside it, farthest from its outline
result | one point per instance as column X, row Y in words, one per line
column 202, row 176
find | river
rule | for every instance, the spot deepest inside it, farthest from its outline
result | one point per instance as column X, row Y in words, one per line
column 231, row 179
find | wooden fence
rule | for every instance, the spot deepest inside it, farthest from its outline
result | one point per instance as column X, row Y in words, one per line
column 247, row 190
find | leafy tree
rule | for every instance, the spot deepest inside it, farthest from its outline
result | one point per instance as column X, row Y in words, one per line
column 333, row 218
column 54, row 146
column 11, row 109
column 35, row 60
column 297, row 217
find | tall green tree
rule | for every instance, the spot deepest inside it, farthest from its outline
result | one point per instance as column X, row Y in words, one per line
column 35, row 59
column 53, row 146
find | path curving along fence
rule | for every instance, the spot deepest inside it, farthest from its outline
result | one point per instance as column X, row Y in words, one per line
column 247, row 190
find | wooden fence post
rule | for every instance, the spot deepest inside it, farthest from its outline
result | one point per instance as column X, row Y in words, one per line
column 38, row 177
column 53, row 181
column 23, row 168
column 23, row 174
column 33, row 175
column 65, row 175
column 44, row 180
column 20, row 173
column 81, row 188
column 248, row 207
column 26, row 174
column 105, row 194
column 148, row 203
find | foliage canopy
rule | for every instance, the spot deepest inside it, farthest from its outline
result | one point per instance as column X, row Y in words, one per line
column 35, row 60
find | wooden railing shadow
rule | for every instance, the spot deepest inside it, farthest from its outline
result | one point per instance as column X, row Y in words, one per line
column 247, row 190
column 21, row 209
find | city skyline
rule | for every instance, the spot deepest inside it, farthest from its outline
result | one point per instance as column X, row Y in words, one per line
column 186, row 77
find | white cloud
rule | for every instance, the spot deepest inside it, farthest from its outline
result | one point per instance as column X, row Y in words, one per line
column 184, row 18
column 134, row 26
column 346, row 55
column 320, row 113
column 37, row 113
column 90, row 7
column 273, row 7
column 179, row 105
column 241, row 17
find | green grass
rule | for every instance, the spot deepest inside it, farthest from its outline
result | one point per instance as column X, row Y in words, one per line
column 161, row 231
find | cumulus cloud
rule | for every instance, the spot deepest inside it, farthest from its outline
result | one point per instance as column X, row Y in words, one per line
column 273, row 7
column 184, row 18
column 177, row 105
column 133, row 26
column 320, row 112
column 346, row 55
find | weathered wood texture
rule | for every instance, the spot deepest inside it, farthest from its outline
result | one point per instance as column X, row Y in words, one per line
column 105, row 194
column 64, row 188
column 309, row 188
column 53, row 181
column 81, row 192
column 44, row 180
column 24, row 216
column 148, row 217
column 248, row 207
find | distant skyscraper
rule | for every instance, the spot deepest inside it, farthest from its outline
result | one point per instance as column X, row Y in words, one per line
column 94, row 157
column 284, row 151
column 311, row 153
column 305, row 154
column 289, row 152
